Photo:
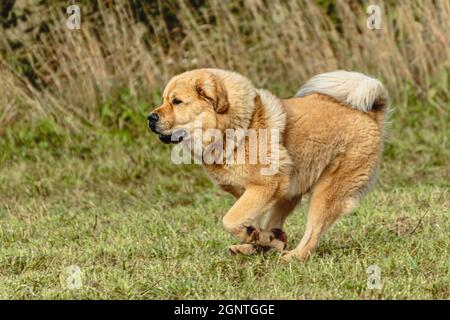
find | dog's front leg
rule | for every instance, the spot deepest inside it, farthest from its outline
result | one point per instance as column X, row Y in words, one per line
column 241, row 219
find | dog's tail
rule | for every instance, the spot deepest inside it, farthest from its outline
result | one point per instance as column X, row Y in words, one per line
column 355, row 89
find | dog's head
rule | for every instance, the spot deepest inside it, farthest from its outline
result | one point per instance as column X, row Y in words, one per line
column 189, row 99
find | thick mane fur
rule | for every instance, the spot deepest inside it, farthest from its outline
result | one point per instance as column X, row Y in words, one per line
column 241, row 98
column 241, row 95
column 275, row 115
column 254, row 108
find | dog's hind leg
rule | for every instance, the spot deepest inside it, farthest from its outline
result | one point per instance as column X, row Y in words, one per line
column 244, row 248
column 273, row 234
column 273, row 226
column 335, row 194
column 241, row 219
column 280, row 211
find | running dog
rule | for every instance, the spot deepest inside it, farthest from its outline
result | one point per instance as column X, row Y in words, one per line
column 329, row 145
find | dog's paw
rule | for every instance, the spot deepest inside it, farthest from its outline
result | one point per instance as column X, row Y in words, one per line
column 294, row 255
column 276, row 238
column 279, row 234
column 288, row 256
column 251, row 234
column 245, row 249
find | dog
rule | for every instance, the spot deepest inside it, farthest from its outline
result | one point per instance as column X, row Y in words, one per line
column 329, row 145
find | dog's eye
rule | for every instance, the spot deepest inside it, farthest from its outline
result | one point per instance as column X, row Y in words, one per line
column 176, row 101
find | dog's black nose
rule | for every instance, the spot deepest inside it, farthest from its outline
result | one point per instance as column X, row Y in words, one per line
column 153, row 117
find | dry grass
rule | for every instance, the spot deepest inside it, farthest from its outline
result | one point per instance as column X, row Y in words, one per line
column 277, row 44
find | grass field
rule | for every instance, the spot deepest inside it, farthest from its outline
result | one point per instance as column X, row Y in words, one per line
column 112, row 203
column 83, row 183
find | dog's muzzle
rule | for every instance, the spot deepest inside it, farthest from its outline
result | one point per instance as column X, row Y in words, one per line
column 175, row 137
column 153, row 117
column 153, row 121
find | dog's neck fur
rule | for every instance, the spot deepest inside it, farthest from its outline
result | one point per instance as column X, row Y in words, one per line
column 245, row 100
column 240, row 95
column 262, row 110
column 249, row 108
column 266, row 111
column 269, row 112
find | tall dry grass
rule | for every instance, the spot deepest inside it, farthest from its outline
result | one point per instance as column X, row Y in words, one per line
column 278, row 44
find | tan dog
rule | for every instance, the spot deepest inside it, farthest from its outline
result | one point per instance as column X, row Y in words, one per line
column 330, row 144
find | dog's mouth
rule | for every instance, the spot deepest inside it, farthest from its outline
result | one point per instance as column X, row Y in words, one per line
column 172, row 138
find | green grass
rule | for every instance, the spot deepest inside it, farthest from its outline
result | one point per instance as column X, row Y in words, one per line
column 139, row 227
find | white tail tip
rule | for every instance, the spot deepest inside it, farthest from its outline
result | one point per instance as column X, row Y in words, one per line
column 353, row 88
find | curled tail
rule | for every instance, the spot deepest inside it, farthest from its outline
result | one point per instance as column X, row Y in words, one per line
column 355, row 89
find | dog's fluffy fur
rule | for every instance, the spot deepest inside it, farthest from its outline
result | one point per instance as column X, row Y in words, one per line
column 329, row 146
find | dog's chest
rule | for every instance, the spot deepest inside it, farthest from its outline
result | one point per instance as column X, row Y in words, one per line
column 226, row 175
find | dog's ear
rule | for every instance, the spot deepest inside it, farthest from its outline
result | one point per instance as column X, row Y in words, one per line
column 212, row 89
column 222, row 103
